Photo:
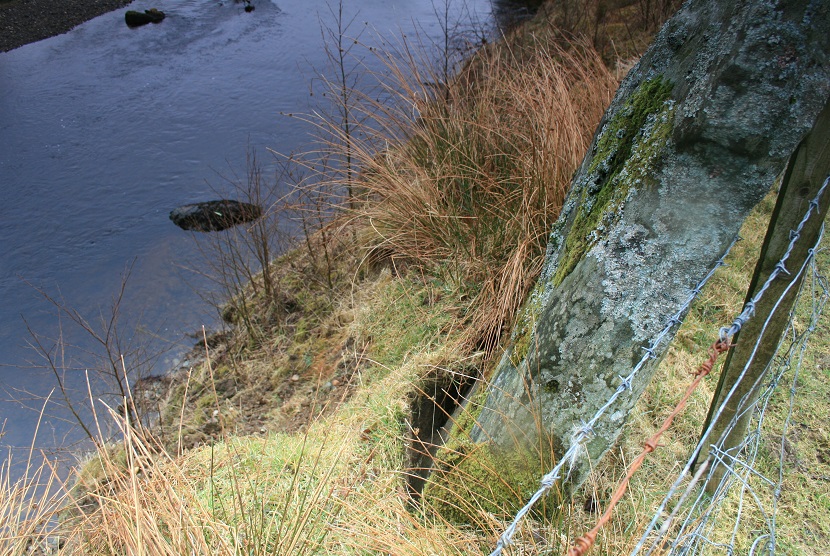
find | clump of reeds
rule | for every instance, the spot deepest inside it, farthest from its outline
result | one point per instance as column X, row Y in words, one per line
column 474, row 172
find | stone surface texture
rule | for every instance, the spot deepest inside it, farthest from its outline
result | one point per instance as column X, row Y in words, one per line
column 719, row 101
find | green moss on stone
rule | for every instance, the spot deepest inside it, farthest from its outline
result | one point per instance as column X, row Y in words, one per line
column 627, row 152
column 470, row 478
column 526, row 324
column 522, row 345
column 481, row 479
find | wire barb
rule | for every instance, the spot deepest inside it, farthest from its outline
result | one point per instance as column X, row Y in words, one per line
column 585, row 542
column 699, row 516
column 570, row 457
column 722, row 344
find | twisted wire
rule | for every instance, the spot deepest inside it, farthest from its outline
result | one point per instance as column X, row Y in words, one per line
column 780, row 268
column 737, row 470
column 584, row 432
column 726, row 334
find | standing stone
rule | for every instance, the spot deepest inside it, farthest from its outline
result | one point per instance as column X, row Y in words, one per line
column 694, row 138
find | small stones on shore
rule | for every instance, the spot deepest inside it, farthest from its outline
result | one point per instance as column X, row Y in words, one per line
column 27, row 22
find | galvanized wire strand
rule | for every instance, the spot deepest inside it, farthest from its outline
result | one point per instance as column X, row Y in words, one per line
column 705, row 520
column 785, row 428
column 753, row 438
column 584, row 543
column 686, row 469
column 780, row 267
column 584, row 432
column 726, row 334
column 799, row 342
column 741, row 470
column 684, row 472
column 817, row 307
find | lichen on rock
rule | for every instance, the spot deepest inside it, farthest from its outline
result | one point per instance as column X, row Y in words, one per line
column 691, row 143
column 626, row 151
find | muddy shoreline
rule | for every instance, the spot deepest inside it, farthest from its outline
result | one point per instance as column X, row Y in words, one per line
column 26, row 21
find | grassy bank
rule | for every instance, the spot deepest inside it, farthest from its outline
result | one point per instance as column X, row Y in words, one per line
column 305, row 427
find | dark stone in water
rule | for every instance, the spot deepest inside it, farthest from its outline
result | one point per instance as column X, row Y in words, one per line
column 136, row 19
column 214, row 216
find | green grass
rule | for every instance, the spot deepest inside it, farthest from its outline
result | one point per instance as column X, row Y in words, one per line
column 337, row 486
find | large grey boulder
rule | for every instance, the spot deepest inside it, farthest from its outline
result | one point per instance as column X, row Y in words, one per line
column 694, row 138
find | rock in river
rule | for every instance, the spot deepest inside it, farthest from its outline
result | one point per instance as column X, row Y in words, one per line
column 135, row 19
column 214, row 216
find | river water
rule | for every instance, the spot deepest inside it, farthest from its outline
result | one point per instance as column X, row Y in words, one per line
column 105, row 129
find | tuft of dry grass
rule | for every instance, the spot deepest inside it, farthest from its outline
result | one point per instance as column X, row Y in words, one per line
column 28, row 506
column 251, row 496
column 477, row 171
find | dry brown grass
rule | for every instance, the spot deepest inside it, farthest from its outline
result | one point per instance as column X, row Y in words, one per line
column 477, row 172
column 28, row 505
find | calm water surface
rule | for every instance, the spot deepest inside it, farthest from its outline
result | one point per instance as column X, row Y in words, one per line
column 105, row 129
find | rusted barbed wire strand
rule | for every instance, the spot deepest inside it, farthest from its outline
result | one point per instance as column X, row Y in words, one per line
column 715, row 452
column 741, row 471
column 584, row 543
column 584, row 432
column 728, row 332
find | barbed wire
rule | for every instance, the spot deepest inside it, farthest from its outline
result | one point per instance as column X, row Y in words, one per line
column 698, row 527
column 717, row 454
column 584, row 432
column 780, row 267
column 584, row 543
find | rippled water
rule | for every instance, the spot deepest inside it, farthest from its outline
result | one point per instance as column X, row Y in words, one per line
column 105, row 129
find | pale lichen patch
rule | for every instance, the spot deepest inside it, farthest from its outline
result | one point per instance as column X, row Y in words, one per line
column 626, row 152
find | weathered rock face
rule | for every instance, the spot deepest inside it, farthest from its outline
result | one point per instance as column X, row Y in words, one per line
column 692, row 141
column 214, row 216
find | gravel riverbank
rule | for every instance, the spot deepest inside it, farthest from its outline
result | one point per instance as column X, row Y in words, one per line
column 25, row 21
